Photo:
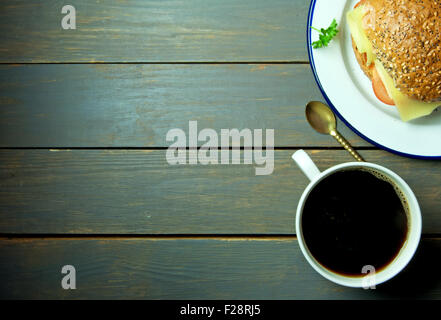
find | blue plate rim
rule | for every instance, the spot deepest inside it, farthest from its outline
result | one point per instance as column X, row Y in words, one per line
column 328, row 101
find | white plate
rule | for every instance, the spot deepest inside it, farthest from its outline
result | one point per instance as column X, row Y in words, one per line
column 349, row 92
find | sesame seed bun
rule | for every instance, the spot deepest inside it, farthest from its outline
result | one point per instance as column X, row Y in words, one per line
column 406, row 38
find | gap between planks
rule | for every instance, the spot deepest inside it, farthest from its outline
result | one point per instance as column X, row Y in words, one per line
column 186, row 148
column 158, row 62
column 150, row 237
column 162, row 237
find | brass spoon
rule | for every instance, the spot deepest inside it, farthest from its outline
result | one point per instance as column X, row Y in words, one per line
column 322, row 119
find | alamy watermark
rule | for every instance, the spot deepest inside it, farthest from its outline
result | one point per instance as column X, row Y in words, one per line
column 369, row 279
column 69, row 281
column 69, row 21
column 223, row 148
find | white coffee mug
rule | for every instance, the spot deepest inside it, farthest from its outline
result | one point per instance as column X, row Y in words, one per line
column 408, row 248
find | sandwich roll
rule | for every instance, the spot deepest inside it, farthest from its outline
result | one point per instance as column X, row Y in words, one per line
column 397, row 44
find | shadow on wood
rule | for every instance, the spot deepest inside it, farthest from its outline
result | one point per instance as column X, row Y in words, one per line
column 420, row 276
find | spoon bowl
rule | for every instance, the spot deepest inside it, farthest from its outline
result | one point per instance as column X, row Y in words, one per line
column 320, row 117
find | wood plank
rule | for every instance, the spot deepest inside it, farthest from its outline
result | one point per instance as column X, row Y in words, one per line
column 192, row 269
column 154, row 31
column 136, row 105
column 137, row 192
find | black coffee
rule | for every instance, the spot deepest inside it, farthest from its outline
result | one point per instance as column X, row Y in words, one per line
column 354, row 218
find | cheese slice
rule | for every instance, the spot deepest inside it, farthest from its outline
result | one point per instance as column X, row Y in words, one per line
column 355, row 22
column 408, row 108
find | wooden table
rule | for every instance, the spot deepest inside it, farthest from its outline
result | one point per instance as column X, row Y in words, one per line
column 83, row 176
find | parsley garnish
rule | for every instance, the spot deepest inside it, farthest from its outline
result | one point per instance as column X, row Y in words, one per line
column 326, row 35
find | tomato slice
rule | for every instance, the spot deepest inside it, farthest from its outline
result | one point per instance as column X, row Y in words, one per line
column 377, row 84
column 359, row 3
column 379, row 88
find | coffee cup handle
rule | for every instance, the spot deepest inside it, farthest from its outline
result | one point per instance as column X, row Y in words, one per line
column 305, row 164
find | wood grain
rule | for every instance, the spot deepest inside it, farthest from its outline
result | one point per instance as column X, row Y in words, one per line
column 137, row 192
column 154, row 31
column 136, row 105
column 192, row 269
column 117, row 215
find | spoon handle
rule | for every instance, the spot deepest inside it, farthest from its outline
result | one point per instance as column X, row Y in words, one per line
column 346, row 145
